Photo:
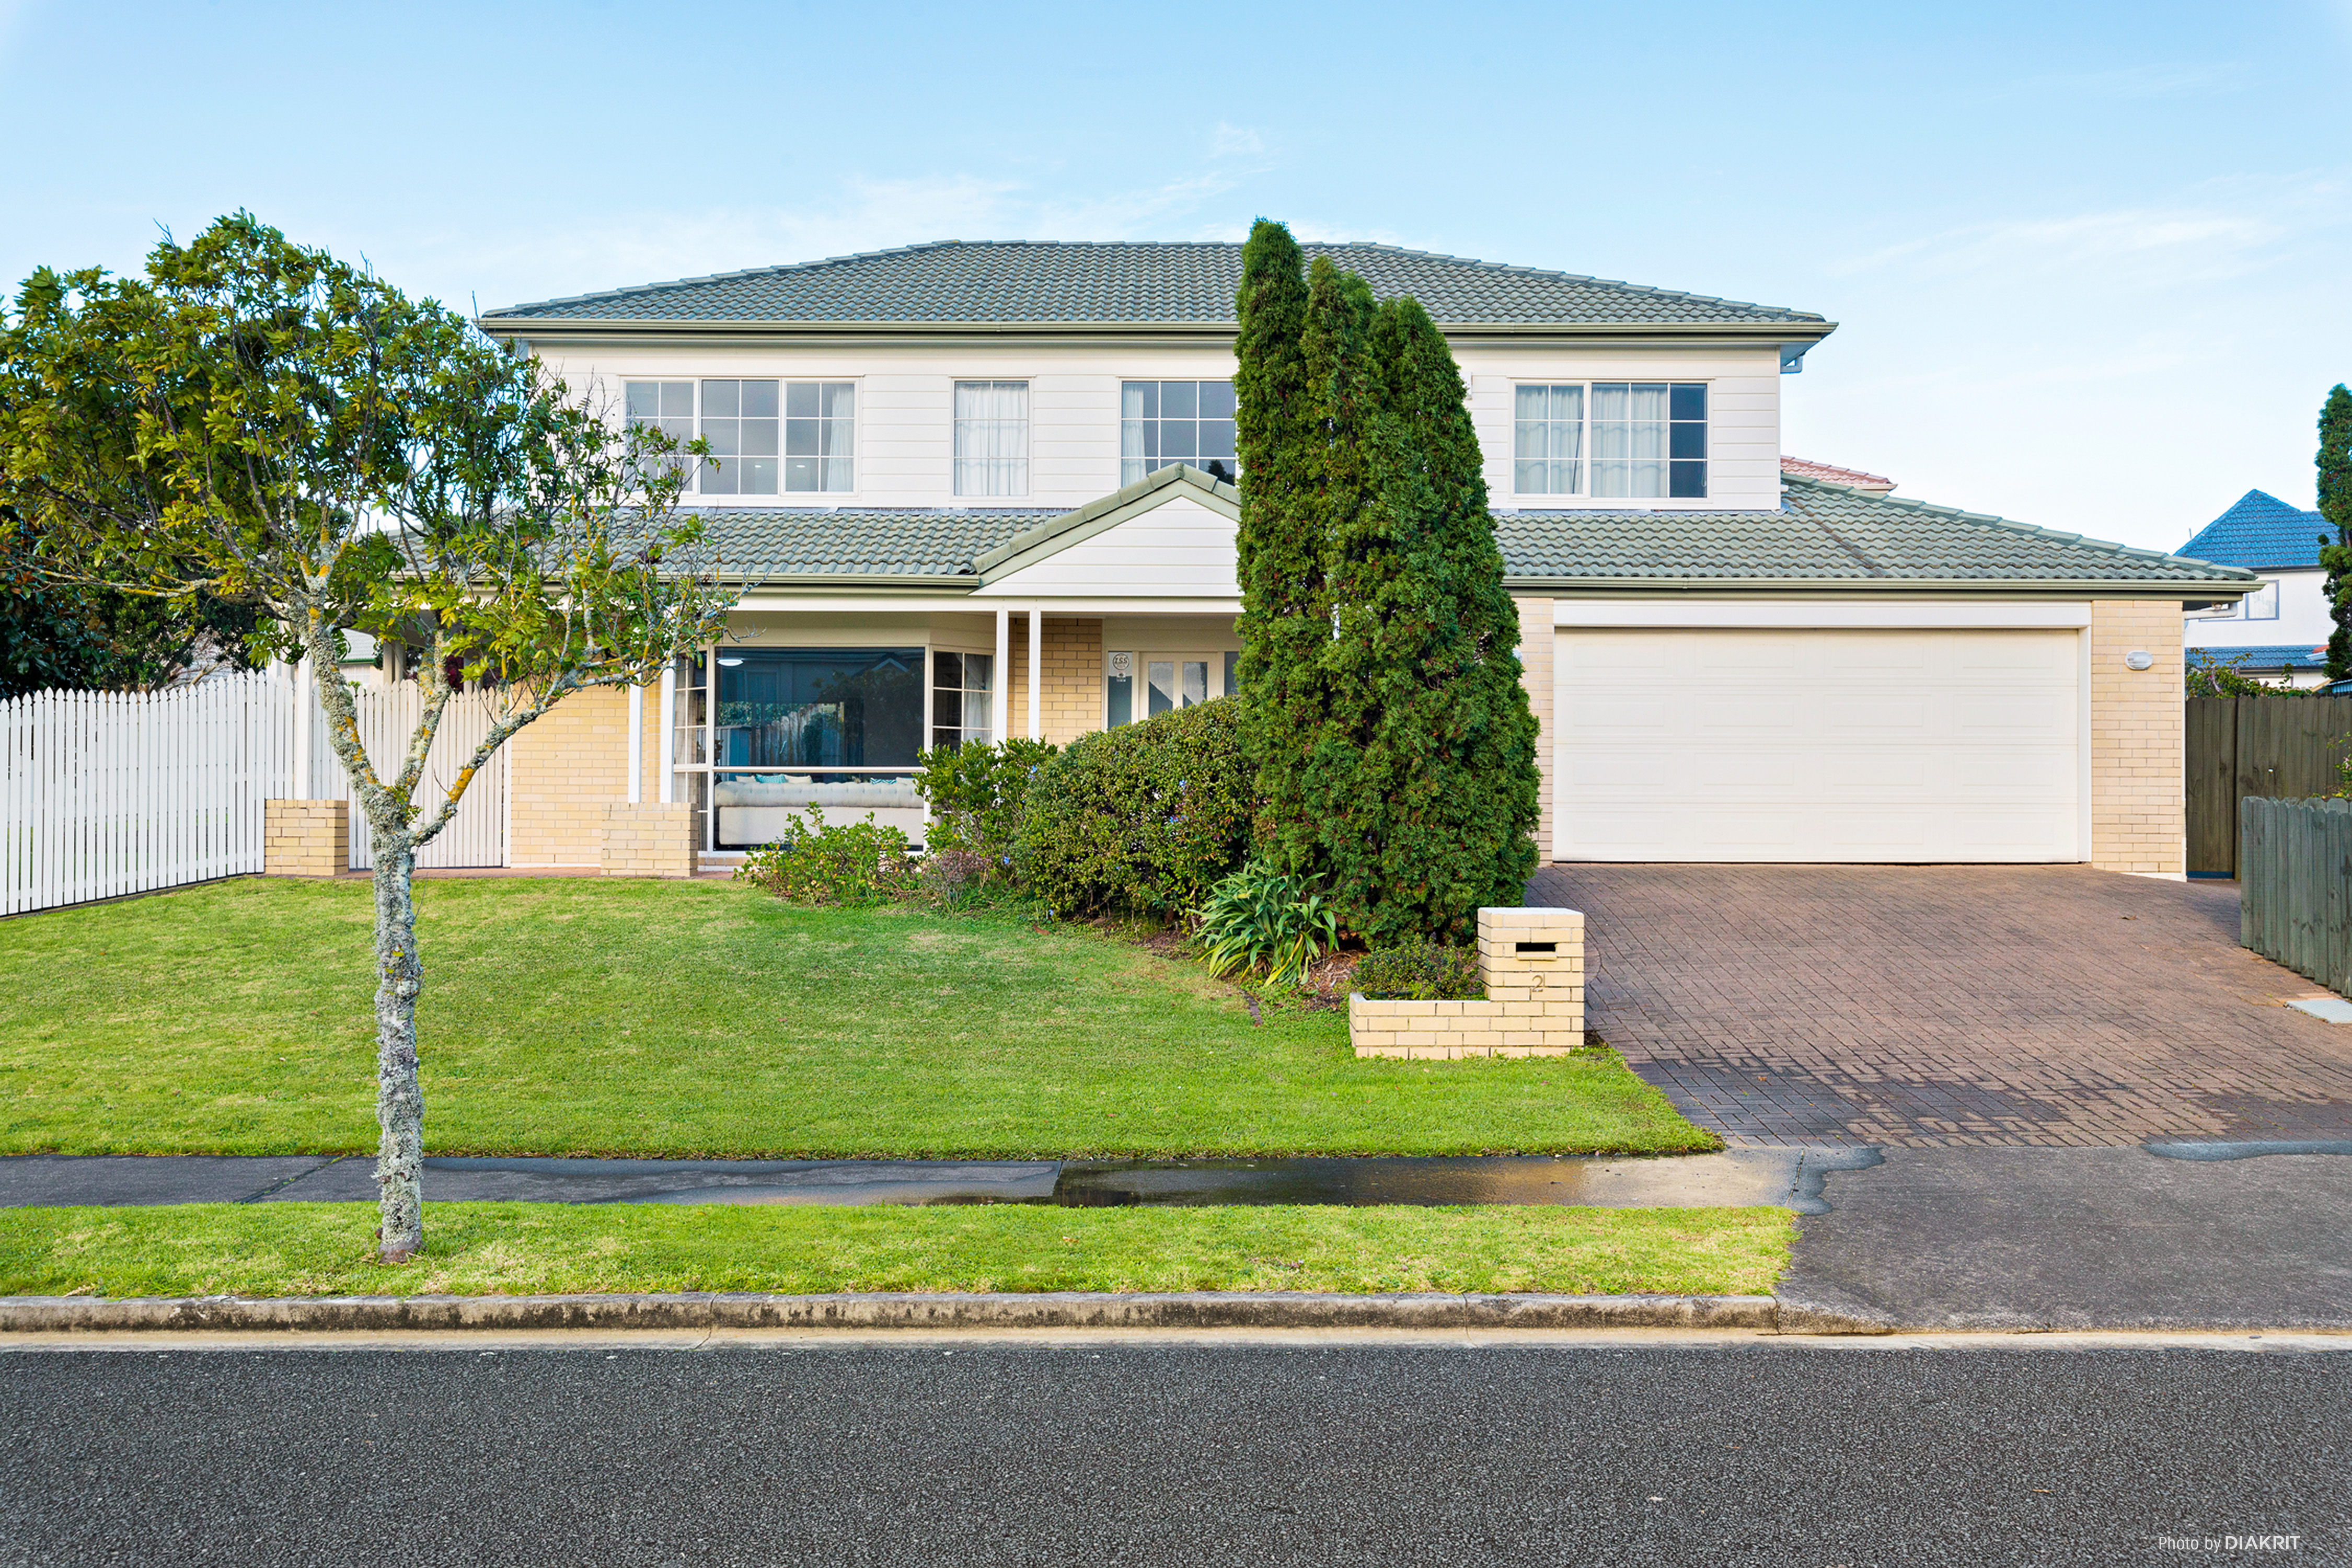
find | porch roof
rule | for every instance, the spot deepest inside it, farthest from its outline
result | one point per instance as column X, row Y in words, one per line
column 1823, row 536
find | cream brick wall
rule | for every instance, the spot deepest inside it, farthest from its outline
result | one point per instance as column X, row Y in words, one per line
column 563, row 771
column 1073, row 687
column 648, row 840
column 2138, row 820
column 1537, row 641
column 305, row 837
column 1533, row 1004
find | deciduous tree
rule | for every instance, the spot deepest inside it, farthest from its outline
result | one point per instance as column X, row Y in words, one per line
column 261, row 423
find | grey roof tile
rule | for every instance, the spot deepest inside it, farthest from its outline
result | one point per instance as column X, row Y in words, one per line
column 1828, row 533
column 1823, row 533
column 956, row 280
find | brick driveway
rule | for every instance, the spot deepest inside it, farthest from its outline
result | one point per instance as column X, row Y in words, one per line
column 1951, row 1005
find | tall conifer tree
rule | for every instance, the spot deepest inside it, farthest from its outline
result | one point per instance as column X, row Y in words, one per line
column 2334, row 461
column 1394, row 745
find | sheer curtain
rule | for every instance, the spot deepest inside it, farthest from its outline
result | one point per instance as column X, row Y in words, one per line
column 991, row 438
column 1549, row 440
column 1629, row 438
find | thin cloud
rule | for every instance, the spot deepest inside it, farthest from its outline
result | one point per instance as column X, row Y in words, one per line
column 1234, row 141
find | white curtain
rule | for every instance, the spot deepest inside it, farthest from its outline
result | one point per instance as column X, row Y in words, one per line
column 1549, row 440
column 991, row 438
column 1629, row 438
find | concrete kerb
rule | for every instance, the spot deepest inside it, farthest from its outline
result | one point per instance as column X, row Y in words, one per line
column 1071, row 1309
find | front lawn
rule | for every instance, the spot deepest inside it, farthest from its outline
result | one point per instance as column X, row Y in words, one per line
column 591, row 1017
column 324, row 1250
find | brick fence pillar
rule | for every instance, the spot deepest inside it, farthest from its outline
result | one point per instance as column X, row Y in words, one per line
column 1532, row 963
column 305, row 837
column 649, row 839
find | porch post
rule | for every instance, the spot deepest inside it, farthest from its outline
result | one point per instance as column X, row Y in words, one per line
column 636, row 743
column 1000, row 699
column 1036, row 672
column 666, row 774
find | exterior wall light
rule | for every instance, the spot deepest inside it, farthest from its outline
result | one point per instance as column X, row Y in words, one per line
column 2138, row 659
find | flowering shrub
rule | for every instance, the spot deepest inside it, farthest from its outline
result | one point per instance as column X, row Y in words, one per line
column 822, row 863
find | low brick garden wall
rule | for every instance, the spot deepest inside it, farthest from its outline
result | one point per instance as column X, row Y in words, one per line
column 1532, row 962
column 649, row 839
column 305, row 837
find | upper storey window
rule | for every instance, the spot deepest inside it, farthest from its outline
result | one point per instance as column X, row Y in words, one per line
column 991, row 438
column 1164, row 421
column 764, row 435
column 1607, row 439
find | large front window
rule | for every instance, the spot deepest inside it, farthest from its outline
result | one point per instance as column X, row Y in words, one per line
column 991, row 438
column 1164, row 421
column 764, row 435
column 1611, row 439
column 738, row 421
column 835, row 729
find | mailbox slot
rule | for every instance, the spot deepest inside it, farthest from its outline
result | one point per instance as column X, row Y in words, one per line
column 1537, row 949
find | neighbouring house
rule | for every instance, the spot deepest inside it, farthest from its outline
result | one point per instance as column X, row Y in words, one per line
column 975, row 491
column 2279, row 631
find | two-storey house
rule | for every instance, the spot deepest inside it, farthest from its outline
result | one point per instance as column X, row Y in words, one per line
column 974, row 490
column 2279, row 631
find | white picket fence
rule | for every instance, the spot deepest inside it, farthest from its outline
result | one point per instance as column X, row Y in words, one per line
column 387, row 715
column 104, row 794
column 110, row 793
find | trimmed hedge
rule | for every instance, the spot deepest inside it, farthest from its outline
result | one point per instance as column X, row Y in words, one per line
column 1142, row 817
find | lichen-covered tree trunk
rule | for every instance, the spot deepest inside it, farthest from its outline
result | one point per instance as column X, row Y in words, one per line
column 399, row 1101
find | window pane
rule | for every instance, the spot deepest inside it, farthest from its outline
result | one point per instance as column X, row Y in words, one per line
column 1139, row 400
column 840, row 399
column 977, row 667
column 759, row 477
column 722, row 399
column 1690, row 401
column 1162, row 682
column 677, row 399
column 991, row 438
column 842, row 706
column 975, row 711
column 947, row 670
column 1216, row 437
column 1178, row 438
column 803, row 474
column 1690, row 480
column 839, row 475
column 1233, row 673
column 801, row 400
column 1180, row 400
column 1119, row 689
column 1649, row 478
column 645, row 399
column 759, row 438
column 1216, row 400
column 801, row 437
column 1611, row 478
column 1196, row 681
column 759, row 399
column 718, row 479
column 1690, row 441
column 723, row 434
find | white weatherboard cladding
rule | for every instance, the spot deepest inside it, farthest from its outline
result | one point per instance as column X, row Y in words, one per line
column 1180, row 549
column 906, row 399
column 1765, row 744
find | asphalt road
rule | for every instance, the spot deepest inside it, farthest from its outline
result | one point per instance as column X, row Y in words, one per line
column 988, row 1453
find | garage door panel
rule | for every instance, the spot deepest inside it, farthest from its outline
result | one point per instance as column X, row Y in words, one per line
column 1820, row 745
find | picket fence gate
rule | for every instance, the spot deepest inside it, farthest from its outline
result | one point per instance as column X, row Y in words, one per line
column 104, row 794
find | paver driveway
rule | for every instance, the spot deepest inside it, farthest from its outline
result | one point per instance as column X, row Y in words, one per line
column 1951, row 1005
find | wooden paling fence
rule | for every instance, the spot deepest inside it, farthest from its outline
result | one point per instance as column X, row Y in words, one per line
column 2273, row 747
column 103, row 793
column 387, row 716
column 2295, row 885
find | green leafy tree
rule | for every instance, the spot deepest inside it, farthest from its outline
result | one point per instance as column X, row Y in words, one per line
column 56, row 637
column 1394, row 745
column 2334, row 460
column 260, row 423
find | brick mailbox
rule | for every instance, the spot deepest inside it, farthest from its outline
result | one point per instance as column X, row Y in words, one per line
column 1532, row 962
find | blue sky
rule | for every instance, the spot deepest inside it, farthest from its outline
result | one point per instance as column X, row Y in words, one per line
column 2090, row 260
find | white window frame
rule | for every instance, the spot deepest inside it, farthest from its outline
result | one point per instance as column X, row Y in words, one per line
column 2262, row 604
column 1585, row 459
column 1142, row 658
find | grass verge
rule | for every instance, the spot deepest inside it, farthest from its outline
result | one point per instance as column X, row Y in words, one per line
column 323, row 1249
column 611, row 1017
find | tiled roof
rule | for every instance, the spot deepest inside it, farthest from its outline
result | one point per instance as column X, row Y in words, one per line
column 2265, row 656
column 2260, row 530
column 1831, row 474
column 957, row 281
column 1826, row 533
column 859, row 542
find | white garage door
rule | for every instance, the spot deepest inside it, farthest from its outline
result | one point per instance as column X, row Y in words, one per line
column 1816, row 745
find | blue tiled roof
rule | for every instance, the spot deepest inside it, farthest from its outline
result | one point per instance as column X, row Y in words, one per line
column 2260, row 530
column 2267, row 655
